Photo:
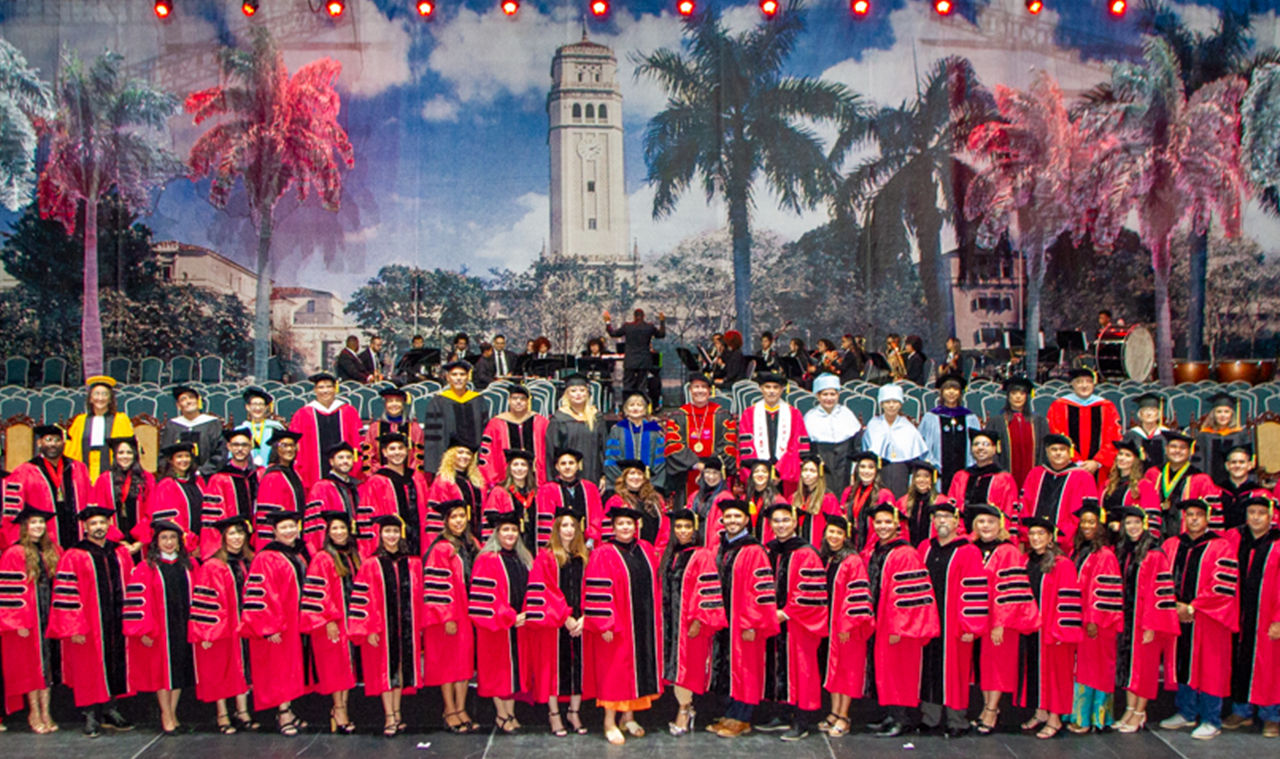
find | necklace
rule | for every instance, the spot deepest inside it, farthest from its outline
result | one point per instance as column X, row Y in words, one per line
column 697, row 427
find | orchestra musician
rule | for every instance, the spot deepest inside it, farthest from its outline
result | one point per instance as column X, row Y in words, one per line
column 893, row 354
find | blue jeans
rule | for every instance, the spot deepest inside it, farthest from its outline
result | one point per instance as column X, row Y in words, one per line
column 739, row 710
column 1193, row 703
column 1265, row 713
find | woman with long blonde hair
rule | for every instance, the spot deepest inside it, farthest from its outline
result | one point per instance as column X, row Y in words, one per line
column 458, row 479
column 553, row 612
column 32, row 662
column 578, row 425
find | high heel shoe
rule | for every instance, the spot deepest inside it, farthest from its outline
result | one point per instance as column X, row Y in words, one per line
column 342, row 728
column 982, row 728
column 243, row 721
column 502, row 722
column 401, row 725
column 580, row 729
column 390, row 729
column 1129, row 727
column 560, row 733
column 689, row 713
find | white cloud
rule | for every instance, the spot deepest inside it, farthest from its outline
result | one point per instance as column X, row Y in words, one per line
column 514, row 246
column 440, row 108
column 373, row 50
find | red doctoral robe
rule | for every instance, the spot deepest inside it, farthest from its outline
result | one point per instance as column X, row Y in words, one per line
column 105, row 495
column 624, row 597
column 1012, row 607
column 1149, row 605
column 964, row 610
column 330, row 494
column 381, row 496
column 179, row 502
column 497, row 439
column 851, row 615
column 19, row 610
column 692, row 435
column 311, row 464
column 905, row 607
column 747, row 586
column 498, row 586
column 96, row 670
column 215, row 619
column 1102, row 599
column 221, row 502
column 281, row 489
column 800, row 582
column 699, row 599
column 1057, row 496
column 458, row 489
column 387, row 601
column 371, row 457
column 1094, row 429
column 989, row 485
column 1047, row 661
column 273, row 606
column 1173, row 486
column 27, row 485
column 792, row 443
column 550, row 647
column 449, row 658
column 1205, row 575
column 551, row 497
column 323, row 602
column 147, row 612
column 1257, row 657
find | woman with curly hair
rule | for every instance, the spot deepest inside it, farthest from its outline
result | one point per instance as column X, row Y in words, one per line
column 32, row 662
column 457, row 479
column 634, row 490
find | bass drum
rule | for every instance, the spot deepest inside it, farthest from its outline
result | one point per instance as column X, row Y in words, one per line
column 1126, row 353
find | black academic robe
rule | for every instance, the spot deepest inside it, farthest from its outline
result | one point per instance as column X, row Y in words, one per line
column 447, row 418
column 567, row 432
column 205, row 432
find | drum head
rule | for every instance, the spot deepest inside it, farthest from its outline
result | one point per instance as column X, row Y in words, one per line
column 1139, row 354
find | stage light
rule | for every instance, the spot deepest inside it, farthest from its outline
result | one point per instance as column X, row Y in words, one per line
column 686, row 7
column 769, row 7
column 599, row 7
column 943, row 7
column 861, row 7
column 163, row 8
column 1034, row 7
column 1118, row 7
column 249, row 7
column 426, row 8
column 510, row 7
column 335, row 8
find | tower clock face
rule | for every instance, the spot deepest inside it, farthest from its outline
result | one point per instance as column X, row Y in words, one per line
column 590, row 148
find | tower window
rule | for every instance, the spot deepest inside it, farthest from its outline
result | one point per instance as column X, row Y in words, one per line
column 579, row 76
column 597, row 76
column 604, row 112
column 591, row 112
column 577, row 112
column 591, row 223
column 591, row 186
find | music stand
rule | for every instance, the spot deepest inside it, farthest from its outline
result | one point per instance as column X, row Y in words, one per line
column 790, row 366
column 1073, row 340
column 601, row 366
column 688, row 360
column 547, row 367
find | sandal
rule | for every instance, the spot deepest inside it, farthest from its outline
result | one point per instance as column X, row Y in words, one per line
column 1048, row 731
column 39, row 728
column 224, row 725
column 287, row 727
column 633, row 728
column 1079, row 729
column 1129, row 727
column 400, row 724
column 502, row 722
column 982, row 728
column 614, row 736
column 341, row 728
column 554, row 718
column 836, row 731
column 689, row 714
column 1033, row 724
column 390, row 729
column 573, row 718
column 244, row 721
column 826, row 724
column 458, row 729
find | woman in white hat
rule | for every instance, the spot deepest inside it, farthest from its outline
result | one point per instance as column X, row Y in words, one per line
column 894, row 439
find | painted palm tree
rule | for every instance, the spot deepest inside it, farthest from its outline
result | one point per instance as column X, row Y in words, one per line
column 1260, row 143
column 26, row 102
column 110, row 134
column 1031, row 166
column 1177, row 161
column 915, row 186
column 276, row 131
column 732, row 118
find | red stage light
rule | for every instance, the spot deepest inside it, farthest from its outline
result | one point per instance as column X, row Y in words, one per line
column 1034, row 6
column 769, row 7
column 163, row 8
column 249, row 7
column 686, row 7
column 335, row 8
column 510, row 7
column 1118, row 7
column 426, row 8
column 861, row 7
column 943, row 7
column 599, row 7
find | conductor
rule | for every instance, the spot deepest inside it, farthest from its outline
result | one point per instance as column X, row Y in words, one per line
column 637, row 360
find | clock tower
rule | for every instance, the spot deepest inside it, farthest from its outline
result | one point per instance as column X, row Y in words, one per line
column 589, row 218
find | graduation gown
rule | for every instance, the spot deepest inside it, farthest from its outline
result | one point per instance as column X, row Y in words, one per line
column 691, row 435
column 946, row 434
column 751, row 603
column 961, row 591
column 504, row 500
column 462, row 489
column 1019, row 436
column 791, row 659
column 647, row 444
column 690, row 592
column 88, row 600
column 500, row 435
column 856, row 503
column 791, row 442
column 388, row 492
column 32, row 484
column 326, row 598
column 177, row 501
column 1210, row 452
column 260, row 435
column 1152, row 445
column 1047, row 656
column 445, row 575
column 1231, row 512
column 321, row 428
column 1145, row 499
column 1102, row 604
column 834, row 437
column 1256, row 666
column 205, row 432
column 127, row 493
column 222, row 668
column 560, row 665
column 895, row 444
column 30, row 663
column 80, row 445
column 905, row 606
column 450, row 416
column 1205, row 575
column 371, row 452
column 583, row 497
column 1013, row 607
column 566, row 432
column 387, row 601
column 1149, row 604
column 851, row 614
column 623, row 595
column 157, row 605
column 230, row 492
column 499, row 582
column 334, row 494
column 986, row 485
column 1056, row 495
column 1093, row 427
column 656, row 531
column 282, row 671
column 1173, row 486
column 282, row 489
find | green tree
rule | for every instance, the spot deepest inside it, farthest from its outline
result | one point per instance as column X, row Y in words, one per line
column 732, row 118
column 25, row 103
column 402, row 301
column 109, row 135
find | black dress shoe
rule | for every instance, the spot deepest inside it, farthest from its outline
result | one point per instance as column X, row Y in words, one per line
column 796, row 733
column 114, row 720
column 893, row 730
column 956, row 732
column 92, row 728
column 881, row 725
column 774, row 725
